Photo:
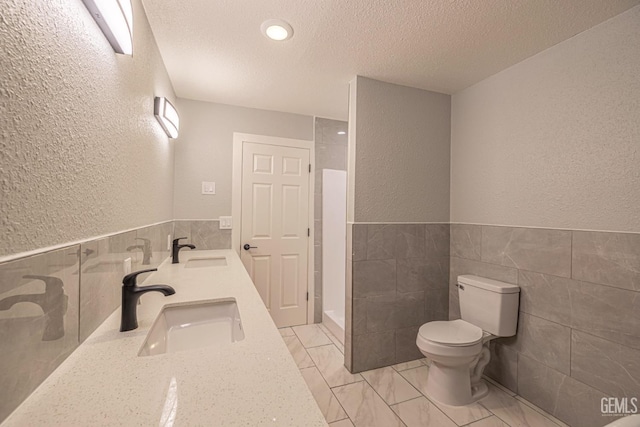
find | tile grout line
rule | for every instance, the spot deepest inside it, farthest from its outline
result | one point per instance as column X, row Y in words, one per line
column 493, row 414
column 547, row 274
column 571, row 258
column 431, row 402
column 383, row 401
column 484, row 418
column 303, row 349
column 328, row 386
column 570, row 327
column 330, row 391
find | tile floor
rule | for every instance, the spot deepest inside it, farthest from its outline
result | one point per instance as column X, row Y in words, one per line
column 393, row 396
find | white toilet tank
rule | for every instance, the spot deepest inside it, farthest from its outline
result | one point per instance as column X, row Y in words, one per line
column 489, row 304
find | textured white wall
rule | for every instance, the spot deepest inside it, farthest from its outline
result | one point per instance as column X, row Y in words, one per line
column 204, row 151
column 402, row 148
column 81, row 153
column 554, row 141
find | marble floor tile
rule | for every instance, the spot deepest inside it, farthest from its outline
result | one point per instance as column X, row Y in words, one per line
column 342, row 423
column 364, row 397
column 338, row 344
column 461, row 415
column 332, row 337
column 417, row 377
column 286, row 332
column 323, row 395
column 410, row 365
column 491, row 421
column 365, row 407
column 512, row 411
column 323, row 328
column 421, row 412
column 298, row 352
column 311, row 335
column 330, row 363
column 390, row 385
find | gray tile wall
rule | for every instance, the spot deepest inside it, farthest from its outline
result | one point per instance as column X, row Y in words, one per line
column 39, row 300
column 205, row 235
column 51, row 302
column 397, row 279
column 578, row 336
column 331, row 153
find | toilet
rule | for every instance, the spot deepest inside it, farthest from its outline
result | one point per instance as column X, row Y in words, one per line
column 459, row 349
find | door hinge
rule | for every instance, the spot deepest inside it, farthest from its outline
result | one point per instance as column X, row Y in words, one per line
column 307, row 296
column 308, row 232
column 309, row 167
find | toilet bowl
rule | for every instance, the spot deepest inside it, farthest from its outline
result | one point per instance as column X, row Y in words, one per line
column 459, row 349
column 455, row 350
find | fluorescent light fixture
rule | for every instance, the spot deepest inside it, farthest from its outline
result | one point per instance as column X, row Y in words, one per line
column 115, row 19
column 342, row 132
column 167, row 116
column 276, row 29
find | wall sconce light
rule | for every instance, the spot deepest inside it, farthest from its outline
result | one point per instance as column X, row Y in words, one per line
column 167, row 116
column 115, row 19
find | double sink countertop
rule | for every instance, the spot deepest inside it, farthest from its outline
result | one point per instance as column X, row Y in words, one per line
column 251, row 382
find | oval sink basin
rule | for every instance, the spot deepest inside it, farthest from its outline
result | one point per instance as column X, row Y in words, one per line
column 189, row 326
column 206, row 262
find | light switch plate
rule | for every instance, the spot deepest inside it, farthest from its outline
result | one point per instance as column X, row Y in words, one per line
column 127, row 266
column 225, row 223
column 208, row 187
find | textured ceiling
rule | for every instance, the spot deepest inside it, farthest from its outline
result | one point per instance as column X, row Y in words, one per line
column 214, row 50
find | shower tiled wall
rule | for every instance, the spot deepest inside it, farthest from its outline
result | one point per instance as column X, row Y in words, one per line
column 578, row 336
column 53, row 301
column 397, row 279
column 331, row 153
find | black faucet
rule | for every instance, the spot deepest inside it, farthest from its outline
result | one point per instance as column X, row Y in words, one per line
column 131, row 294
column 176, row 249
column 145, row 247
column 53, row 301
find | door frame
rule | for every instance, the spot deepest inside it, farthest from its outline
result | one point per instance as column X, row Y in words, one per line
column 236, row 199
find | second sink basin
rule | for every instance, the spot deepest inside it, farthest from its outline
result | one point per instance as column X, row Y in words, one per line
column 194, row 325
column 206, row 262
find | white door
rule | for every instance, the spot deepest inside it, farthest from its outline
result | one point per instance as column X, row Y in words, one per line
column 275, row 227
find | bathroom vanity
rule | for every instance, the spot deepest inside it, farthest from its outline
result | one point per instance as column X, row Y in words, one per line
column 124, row 378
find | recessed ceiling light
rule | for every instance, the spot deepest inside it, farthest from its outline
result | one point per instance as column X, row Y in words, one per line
column 276, row 29
column 342, row 132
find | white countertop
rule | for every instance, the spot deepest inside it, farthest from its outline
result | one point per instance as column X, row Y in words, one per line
column 251, row 382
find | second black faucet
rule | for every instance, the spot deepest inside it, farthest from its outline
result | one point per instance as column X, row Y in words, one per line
column 175, row 250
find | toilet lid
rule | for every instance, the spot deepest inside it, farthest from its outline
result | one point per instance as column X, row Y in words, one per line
column 453, row 333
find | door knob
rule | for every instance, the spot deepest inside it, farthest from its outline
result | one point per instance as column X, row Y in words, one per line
column 248, row 246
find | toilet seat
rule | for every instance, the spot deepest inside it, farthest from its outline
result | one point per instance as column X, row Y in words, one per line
column 453, row 333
